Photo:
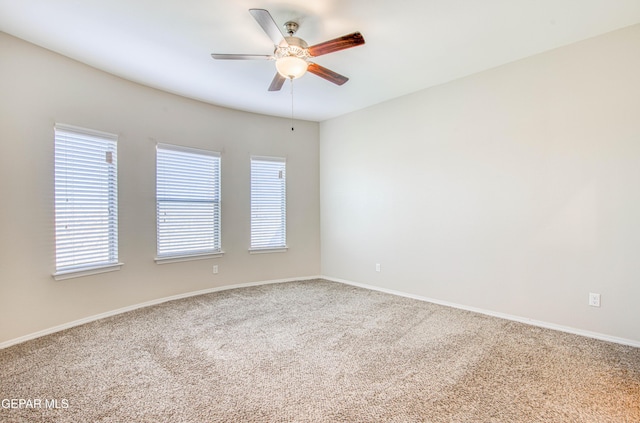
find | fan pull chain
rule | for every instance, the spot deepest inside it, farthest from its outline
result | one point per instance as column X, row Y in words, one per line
column 292, row 104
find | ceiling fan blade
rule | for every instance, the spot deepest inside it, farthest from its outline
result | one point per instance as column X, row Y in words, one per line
column 337, row 44
column 327, row 74
column 241, row 56
column 277, row 82
column 264, row 19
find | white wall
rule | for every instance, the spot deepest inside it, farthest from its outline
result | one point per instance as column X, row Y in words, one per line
column 515, row 190
column 39, row 88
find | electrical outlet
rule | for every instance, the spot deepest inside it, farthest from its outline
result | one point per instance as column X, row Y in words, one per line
column 594, row 299
column 377, row 267
column 215, row 269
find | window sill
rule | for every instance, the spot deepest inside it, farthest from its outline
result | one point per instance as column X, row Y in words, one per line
column 268, row 250
column 69, row 274
column 187, row 257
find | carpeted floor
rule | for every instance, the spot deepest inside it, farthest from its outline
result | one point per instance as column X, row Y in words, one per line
column 316, row 351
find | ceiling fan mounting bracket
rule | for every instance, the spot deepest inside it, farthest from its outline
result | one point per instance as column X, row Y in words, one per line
column 291, row 28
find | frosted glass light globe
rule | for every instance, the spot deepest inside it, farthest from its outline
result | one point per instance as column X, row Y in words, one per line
column 291, row 67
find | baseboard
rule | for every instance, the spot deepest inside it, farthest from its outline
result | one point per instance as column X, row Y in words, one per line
column 561, row 328
column 93, row 318
column 539, row 323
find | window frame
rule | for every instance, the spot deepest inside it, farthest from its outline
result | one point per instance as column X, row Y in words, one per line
column 106, row 185
column 256, row 247
column 216, row 201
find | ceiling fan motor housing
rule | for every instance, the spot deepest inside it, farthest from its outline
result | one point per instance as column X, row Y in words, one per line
column 292, row 46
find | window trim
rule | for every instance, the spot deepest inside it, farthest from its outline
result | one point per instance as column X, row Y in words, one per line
column 268, row 250
column 187, row 257
column 70, row 274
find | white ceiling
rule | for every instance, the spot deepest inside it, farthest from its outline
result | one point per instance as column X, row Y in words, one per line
column 410, row 44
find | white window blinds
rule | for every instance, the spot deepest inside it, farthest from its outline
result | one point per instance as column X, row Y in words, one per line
column 268, row 203
column 188, row 201
column 86, row 199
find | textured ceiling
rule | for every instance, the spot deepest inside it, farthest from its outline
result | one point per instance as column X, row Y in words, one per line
column 410, row 44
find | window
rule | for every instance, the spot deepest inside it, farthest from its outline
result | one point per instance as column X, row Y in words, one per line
column 86, row 202
column 187, row 203
column 268, row 204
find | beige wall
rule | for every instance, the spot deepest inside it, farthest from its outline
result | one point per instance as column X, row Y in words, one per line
column 39, row 88
column 515, row 190
column 512, row 191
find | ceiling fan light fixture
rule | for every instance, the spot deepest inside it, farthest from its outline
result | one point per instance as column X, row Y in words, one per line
column 292, row 54
column 291, row 67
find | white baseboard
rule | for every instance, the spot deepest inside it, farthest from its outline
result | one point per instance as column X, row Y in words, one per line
column 539, row 323
column 553, row 326
column 82, row 321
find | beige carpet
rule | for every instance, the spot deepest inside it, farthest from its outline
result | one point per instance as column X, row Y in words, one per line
column 316, row 351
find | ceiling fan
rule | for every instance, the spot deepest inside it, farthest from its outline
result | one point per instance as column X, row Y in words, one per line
column 292, row 54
